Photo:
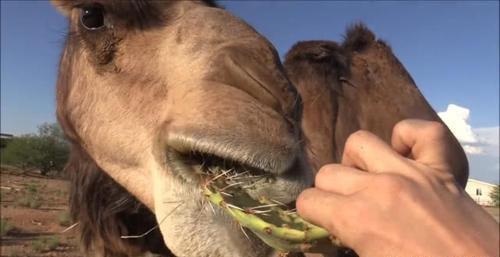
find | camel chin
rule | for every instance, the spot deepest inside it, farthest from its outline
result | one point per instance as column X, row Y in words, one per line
column 193, row 227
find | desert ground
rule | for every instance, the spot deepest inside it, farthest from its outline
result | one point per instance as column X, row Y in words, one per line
column 34, row 215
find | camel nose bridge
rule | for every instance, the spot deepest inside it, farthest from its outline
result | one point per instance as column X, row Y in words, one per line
column 236, row 55
column 254, row 67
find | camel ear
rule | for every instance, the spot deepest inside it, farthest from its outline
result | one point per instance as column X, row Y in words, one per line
column 63, row 6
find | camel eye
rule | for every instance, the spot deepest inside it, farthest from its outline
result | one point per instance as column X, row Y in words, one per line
column 92, row 18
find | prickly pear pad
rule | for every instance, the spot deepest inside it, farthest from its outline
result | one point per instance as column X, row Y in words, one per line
column 270, row 220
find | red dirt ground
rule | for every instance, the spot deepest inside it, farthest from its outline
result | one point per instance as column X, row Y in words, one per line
column 36, row 229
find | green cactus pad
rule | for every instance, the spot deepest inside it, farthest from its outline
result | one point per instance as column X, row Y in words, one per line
column 281, row 229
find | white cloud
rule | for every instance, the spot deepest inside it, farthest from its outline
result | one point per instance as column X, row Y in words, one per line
column 472, row 149
column 489, row 139
column 456, row 118
column 480, row 144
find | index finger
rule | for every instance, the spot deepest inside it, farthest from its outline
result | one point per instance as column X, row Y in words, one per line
column 321, row 208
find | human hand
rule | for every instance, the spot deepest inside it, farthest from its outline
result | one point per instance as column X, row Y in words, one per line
column 381, row 203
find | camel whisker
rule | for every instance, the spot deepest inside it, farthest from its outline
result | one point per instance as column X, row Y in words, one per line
column 153, row 228
column 70, row 227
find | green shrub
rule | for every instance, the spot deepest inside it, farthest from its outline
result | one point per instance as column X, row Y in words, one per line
column 30, row 200
column 22, row 152
column 35, row 203
column 4, row 142
column 52, row 243
column 5, row 227
column 38, row 245
column 47, row 150
column 64, row 219
column 32, row 188
column 495, row 196
column 45, row 244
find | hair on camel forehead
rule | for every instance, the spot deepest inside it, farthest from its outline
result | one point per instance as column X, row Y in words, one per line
column 121, row 6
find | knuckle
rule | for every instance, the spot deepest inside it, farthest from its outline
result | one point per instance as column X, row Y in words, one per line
column 429, row 128
column 401, row 126
column 355, row 139
column 435, row 129
column 326, row 169
column 325, row 172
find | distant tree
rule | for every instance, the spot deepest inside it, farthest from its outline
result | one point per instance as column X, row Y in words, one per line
column 54, row 149
column 47, row 150
column 21, row 151
column 495, row 196
column 4, row 142
column 4, row 139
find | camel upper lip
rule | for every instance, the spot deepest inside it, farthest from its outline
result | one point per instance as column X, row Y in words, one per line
column 271, row 159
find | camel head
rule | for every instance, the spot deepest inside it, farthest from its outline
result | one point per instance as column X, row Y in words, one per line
column 153, row 91
column 358, row 84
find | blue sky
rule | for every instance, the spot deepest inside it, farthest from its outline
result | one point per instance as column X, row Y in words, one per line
column 450, row 48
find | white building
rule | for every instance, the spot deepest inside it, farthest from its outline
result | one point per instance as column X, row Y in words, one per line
column 480, row 191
